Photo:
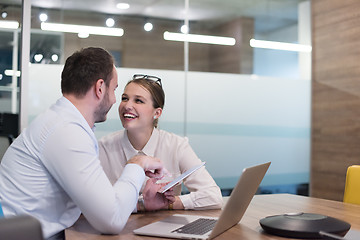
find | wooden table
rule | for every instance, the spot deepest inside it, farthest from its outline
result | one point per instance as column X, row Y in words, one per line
column 249, row 228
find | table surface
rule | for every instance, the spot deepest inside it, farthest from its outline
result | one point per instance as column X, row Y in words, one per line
column 248, row 228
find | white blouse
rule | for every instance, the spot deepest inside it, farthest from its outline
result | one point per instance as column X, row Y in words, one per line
column 177, row 155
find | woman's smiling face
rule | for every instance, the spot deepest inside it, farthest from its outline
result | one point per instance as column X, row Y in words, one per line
column 136, row 109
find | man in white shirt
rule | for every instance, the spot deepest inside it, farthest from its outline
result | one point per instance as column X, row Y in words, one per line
column 52, row 170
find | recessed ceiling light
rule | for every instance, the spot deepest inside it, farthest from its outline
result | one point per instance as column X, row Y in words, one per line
column 83, row 34
column 43, row 17
column 38, row 57
column 4, row 14
column 122, row 5
column 54, row 57
column 148, row 26
column 110, row 22
column 184, row 29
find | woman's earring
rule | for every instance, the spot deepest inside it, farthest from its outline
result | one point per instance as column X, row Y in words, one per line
column 154, row 117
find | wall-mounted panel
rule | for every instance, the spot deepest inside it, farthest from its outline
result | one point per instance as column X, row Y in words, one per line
column 335, row 95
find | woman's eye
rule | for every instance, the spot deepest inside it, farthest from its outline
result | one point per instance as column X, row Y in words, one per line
column 139, row 101
column 124, row 99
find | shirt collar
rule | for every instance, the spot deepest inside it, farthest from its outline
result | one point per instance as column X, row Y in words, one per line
column 63, row 101
column 148, row 150
column 74, row 115
column 150, row 146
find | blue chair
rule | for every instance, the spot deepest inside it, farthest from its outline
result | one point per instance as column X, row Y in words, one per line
column 1, row 212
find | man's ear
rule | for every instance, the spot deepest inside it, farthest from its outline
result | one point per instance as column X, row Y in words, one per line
column 100, row 88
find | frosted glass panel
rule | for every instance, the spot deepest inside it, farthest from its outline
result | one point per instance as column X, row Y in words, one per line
column 232, row 120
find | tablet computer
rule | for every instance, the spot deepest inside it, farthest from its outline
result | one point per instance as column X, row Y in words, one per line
column 181, row 177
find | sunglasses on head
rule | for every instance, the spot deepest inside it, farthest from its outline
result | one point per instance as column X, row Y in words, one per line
column 148, row 77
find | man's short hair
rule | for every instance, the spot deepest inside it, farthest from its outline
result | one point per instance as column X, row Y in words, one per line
column 84, row 68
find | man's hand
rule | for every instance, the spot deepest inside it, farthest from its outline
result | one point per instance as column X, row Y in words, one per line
column 153, row 200
column 152, row 166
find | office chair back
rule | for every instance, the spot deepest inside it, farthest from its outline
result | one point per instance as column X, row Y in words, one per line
column 4, row 144
column 352, row 185
column 9, row 130
column 20, row 228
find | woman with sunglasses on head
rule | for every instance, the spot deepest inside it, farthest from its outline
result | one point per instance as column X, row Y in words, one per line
column 141, row 106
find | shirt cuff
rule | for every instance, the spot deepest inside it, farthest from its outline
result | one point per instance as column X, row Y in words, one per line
column 186, row 201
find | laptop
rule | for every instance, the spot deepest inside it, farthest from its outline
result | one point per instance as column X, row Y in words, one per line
column 200, row 227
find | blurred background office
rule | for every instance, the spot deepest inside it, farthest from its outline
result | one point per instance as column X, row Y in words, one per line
column 241, row 100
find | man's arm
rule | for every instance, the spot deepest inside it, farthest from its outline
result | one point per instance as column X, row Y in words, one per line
column 71, row 158
column 153, row 167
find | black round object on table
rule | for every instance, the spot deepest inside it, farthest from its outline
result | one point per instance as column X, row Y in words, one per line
column 303, row 225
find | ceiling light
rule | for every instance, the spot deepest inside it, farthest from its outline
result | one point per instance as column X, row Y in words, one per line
column 43, row 17
column 4, row 14
column 71, row 28
column 11, row 73
column 184, row 29
column 110, row 22
column 280, row 46
column 9, row 24
column 199, row 38
column 148, row 26
column 123, row 6
column 83, row 35
column 54, row 57
column 1, row 77
column 38, row 57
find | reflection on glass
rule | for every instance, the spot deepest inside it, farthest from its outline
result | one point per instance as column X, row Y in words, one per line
column 254, row 114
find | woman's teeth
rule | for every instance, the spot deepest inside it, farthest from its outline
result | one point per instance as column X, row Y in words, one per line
column 127, row 115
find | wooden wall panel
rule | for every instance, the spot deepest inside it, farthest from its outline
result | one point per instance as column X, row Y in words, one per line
column 335, row 95
column 143, row 49
column 237, row 58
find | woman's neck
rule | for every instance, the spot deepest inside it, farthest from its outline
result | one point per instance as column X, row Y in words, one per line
column 139, row 139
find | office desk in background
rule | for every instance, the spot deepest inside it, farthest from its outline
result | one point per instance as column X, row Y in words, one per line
column 249, row 227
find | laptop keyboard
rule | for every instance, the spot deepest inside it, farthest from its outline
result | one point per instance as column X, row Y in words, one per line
column 197, row 227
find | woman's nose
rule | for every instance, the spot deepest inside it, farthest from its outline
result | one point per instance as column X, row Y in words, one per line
column 128, row 105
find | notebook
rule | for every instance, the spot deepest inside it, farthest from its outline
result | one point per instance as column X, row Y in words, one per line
column 182, row 225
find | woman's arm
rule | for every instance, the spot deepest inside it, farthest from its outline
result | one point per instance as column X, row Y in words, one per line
column 204, row 192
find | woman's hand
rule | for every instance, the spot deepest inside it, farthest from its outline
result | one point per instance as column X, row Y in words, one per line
column 153, row 200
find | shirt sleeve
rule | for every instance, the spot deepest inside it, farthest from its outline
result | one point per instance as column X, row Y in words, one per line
column 111, row 158
column 70, row 156
column 204, row 192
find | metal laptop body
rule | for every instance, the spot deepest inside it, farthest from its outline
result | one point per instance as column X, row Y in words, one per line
column 232, row 213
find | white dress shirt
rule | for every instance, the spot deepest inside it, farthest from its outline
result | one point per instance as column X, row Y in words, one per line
column 52, row 172
column 177, row 155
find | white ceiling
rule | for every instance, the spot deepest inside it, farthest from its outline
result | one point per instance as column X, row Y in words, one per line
column 269, row 14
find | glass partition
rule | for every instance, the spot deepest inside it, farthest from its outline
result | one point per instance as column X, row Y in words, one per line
column 9, row 57
column 238, row 104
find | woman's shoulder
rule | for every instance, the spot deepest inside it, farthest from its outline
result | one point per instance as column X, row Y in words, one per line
column 111, row 138
column 171, row 137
